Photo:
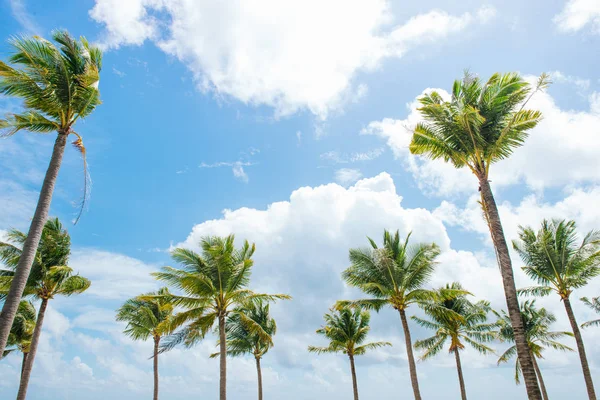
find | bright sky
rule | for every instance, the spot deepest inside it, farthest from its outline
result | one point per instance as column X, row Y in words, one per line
column 285, row 122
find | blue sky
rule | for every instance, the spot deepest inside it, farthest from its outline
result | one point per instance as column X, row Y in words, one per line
column 273, row 112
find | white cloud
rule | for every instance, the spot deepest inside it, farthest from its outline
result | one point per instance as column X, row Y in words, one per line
column 237, row 168
column 337, row 158
column 19, row 11
column 344, row 176
column 278, row 53
column 577, row 14
column 239, row 173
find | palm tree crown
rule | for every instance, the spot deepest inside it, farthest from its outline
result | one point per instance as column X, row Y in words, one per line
column 594, row 304
column 148, row 315
column 21, row 332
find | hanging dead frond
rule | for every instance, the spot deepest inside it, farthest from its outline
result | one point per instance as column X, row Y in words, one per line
column 87, row 181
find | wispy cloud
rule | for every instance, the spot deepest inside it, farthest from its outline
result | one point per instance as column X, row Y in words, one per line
column 237, row 167
column 345, row 176
column 337, row 158
column 19, row 12
column 120, row 74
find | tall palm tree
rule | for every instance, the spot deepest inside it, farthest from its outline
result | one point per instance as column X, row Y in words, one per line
column 50, row 276
column 481, row 124
column 148, row 315
column 241, row 340
column 537, row 332
column 558, row 263
column 58, row 84
column 346, row 329
column 21, row 332
column 394, row 275
column 458, row 321
column 215, row 284
column 594, row 304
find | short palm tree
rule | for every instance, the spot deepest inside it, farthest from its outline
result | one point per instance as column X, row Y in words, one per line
column 594, row 304
column 458, row 321
column 58, row 83
column 558, row 263
column 50, row 276
column 394, row 275
column 21, row 332
column 214, row 286
column 241, row 340
column 346, row 329
column 482, row 123
column 537, row 323
column 148, row 316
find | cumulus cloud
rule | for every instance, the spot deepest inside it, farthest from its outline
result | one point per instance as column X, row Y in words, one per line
column 578, row 14
column 281, row 54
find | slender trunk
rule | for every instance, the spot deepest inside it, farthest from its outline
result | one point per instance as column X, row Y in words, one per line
column 259, row 372
column 581, row 349
column 9, row 310
column 411, row 358
column 156, row 343
column 510, row 291
column 25, row 355
column 223, row 358
column 354, row 382
column 32, row 350
column 463, row 390
column 540, row 379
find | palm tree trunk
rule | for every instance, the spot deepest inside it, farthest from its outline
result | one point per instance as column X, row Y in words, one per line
column 223, row 358
column 354, row 382
column 581, row 349
column 25, row 355
column 510, row 291
column 26, row 373
column 411, row 358
column 463, row 390
column 156, row 343
column 259, row 372
column 540, row 379
column 9, row 310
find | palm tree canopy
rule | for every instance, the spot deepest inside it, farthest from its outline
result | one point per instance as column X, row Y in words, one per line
column 482, row 123
column 594, row 304
column 346, row 329
column 213, row 284
column 554, row 258
column 57, row 81
column 148, row 315
column 21, row 332
column 50, row 276
column 455, row 319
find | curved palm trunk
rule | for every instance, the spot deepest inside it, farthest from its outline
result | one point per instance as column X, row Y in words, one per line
column 354, row 382
column 508, row 280
column 411, row 358
column 26, row 373
column 463, row 390
column 156, row 343
column 581, row 349
column 25, row 355
column 259, row 372
column 540, row 379
column 222, row 358
column 9, row 310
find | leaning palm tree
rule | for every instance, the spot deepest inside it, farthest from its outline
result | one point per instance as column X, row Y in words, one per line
column 458, row 321
column 242, row 340
column 482, row 123
column 50, row 276
column 594, row 304
column 394, row 275
column 148, row 315
column 21, row 332
column 215, row 284
column 558, row 263
column 539, row 337
column 346, row 329
column 58, row 84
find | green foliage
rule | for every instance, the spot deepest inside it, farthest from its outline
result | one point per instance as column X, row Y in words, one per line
column 346, row 329
column 148, row 315
column 594, row 304
column 21, row 332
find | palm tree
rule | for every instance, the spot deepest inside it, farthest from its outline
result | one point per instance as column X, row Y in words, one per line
column 594, row 304
column 214, row 284
column 459, row 321
column 481, row 124
column 148, row 315
column 241, row 340
column 394, row 275
column 21, row 332
column 58, row 84
column 537, row 332
column 558, row 264
column 346, row 329
column 50, row 276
